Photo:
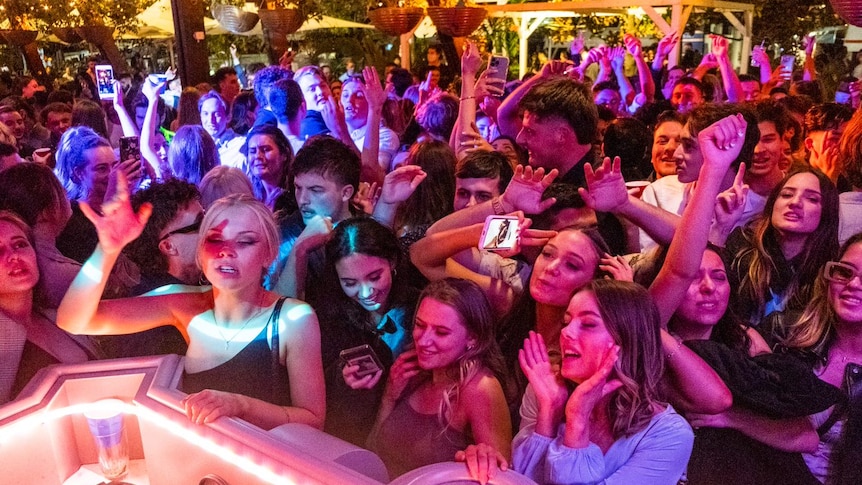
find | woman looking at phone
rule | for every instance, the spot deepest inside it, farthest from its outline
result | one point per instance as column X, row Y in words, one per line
column 370, row 305
column 250, row 354
column 445, row 393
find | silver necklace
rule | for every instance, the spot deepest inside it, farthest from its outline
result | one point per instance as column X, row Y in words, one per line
column 227, row 341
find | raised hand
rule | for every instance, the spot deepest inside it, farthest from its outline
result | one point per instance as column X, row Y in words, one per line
column 709, row 61
column 666, row 45
column 333, row 114
column 633, row 46
column 471, row 61
column 606, row 189
column 286, row 59
column 118, row 95
column 405, row 367
column 525, row 191
column 730, row 204
column 719, row 46
column 483, row 89
column 208, row 405
column 489, row 105
column 472, row 141
column 553, row 68
column 482, row 461
column 829, row 163
column 577, row 46
column 152, row 90
column 721, row 142
column 808, row 44
column 119, row 224
column 374, row 93
column 617, row 56
column 366, row 197
column 760, row 56
column 399, row 184
column 550, row 390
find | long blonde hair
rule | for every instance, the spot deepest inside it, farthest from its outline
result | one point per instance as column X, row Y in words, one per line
column 815, row 329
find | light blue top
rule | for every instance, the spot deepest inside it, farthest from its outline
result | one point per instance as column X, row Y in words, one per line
column 657, row 455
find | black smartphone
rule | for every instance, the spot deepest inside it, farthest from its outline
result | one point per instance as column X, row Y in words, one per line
column 364, row 357
column 130, row 147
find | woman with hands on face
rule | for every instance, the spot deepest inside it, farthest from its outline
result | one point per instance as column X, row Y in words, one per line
column 612, row 428
column 446, row 393
column 251, row 355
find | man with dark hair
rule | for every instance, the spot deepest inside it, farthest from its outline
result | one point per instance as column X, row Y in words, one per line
column 764, row 172
column 287, row 103
column 441, row 74
column 166, row 250
column 481, row 176
column 688, row 93
column 57, row 118
column 559, row 125
column 824, row 125
column 750, row 87
column 264, row 81
column 227, row 84
column 607, row 94
column 326, row 175
column 397, row 81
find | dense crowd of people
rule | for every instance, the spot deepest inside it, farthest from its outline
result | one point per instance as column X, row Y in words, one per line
column 683, row 301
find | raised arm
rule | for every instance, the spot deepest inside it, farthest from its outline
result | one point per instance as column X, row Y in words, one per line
column 809, row 71
column 647, row 94
column 618, row 57
column 81, row 312
column 126, row 122
column 470, row 63
column 663, row 49
column 762, row 59
column 732, row 86
column 720, row 144
column 149, row 127
column 373, row 168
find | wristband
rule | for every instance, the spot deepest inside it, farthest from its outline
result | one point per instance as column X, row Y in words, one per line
column 465, row 98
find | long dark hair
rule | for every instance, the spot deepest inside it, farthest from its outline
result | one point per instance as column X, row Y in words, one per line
column 435, row 196
column 284, row 148
column 759, row 255
column 361, row 235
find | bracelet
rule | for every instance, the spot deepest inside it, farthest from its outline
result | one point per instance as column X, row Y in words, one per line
column 497, row 204
column 676, row 350
column 465, row 98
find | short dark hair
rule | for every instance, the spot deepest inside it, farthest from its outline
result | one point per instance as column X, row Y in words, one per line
column 212, row 95
column 329, row 158
column 568, row 100
column 601, row 86
column 703, row 116
column 748, row 78
column 630, row 140
column 168, row 198
column 690, row 81
column 266, row 78
column 7, row 149
column 221, row 74
column 401, row 79
column 483, row 164
column 53, row 108
column 192, row 153
column 827, row 116
column 285, row 99
column 61, row 96
column 769, row 110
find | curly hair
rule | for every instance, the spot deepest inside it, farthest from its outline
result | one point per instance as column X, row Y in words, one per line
column 438, row 115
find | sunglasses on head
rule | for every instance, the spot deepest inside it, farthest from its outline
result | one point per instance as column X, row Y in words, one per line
column 194, row 227
column 838, row 272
